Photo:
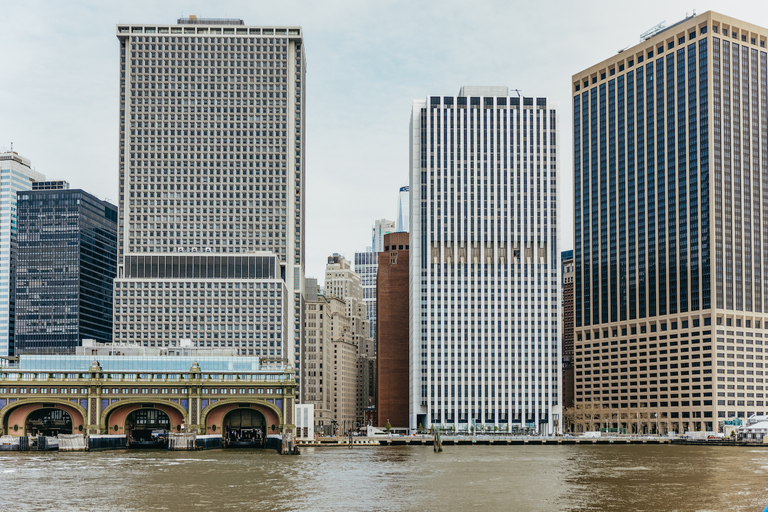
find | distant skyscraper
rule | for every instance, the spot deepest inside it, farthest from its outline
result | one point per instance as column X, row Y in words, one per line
column 566, row 318
column 15, row 174
column 366, row 265
column 402, row 210
column 67, row 260
column 381, row 227
column 366, row 268
column 484, row 262
column 212, row 186
column 670, row 146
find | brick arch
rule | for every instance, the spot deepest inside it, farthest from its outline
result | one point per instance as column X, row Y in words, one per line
column 17, row 412
column 116, row 414
column 215, row 413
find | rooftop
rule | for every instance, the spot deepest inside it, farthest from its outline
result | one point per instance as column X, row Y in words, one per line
column 194, row 20
column 149, row 364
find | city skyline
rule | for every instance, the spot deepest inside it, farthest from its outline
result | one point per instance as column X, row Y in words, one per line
column 366, row 67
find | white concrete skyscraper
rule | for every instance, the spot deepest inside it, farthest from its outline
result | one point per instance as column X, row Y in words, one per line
column 16, row 174
column 484, row 262
column 211, row 225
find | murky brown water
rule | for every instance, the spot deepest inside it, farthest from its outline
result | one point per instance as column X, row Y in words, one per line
column 462, row 478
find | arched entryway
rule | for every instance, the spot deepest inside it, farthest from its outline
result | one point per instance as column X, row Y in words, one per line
column 244, row 427
column 15, row 420
column 147, row 428
column 48, row 422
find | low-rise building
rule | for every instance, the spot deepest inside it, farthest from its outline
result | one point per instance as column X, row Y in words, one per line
column 132, row 395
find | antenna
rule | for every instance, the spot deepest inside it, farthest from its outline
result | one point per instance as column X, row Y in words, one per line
column 518, row 91
column 654, row 30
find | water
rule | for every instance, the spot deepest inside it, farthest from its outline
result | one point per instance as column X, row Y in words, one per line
column 462, row 478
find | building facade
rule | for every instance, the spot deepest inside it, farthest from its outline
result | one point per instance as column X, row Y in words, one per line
column 392, row 347
column 212, row 182
column 324, row 320
column 67, row 260
column 670, row 145
column 566, row 317
column 16, row 174
column 344, row 283
column 484, row 263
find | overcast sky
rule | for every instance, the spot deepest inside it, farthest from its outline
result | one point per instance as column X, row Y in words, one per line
column 367, row 62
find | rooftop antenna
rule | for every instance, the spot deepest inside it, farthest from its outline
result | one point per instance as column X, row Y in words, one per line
column 518, row 91
column 654, row 30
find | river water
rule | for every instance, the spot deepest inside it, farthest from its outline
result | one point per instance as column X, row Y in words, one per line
column 461, row 478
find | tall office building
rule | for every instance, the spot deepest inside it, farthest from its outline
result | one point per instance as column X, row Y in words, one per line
column 670, row 160
column 211, row 186
column 366, row 266
column 16, row 174
column 566, row 319
column 484, row 263
column 67, row 260
column 403, row 203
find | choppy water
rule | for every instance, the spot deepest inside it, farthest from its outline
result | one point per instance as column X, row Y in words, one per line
column 462, row 478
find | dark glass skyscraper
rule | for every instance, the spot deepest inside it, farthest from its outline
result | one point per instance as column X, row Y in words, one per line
column 671, row 208
column 67, row 260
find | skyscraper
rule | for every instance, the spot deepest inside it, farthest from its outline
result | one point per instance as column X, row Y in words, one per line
column 16, row 174
column 211, row 186
column 670, row 144
column 366, row 266
column 566, row 320
column 67, row 260
column 381, row 227
column 403, row 203
column 484, row 262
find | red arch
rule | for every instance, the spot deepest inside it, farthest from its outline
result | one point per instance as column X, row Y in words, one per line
column 118, row 416
column 19, row 417
column 216, row 417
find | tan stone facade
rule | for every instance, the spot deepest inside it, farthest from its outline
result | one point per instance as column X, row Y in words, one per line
column 321, row 314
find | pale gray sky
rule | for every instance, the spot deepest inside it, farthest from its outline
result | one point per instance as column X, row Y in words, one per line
column 367, row 61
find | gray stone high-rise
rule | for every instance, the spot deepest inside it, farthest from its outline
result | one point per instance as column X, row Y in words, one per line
column 211, row 224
